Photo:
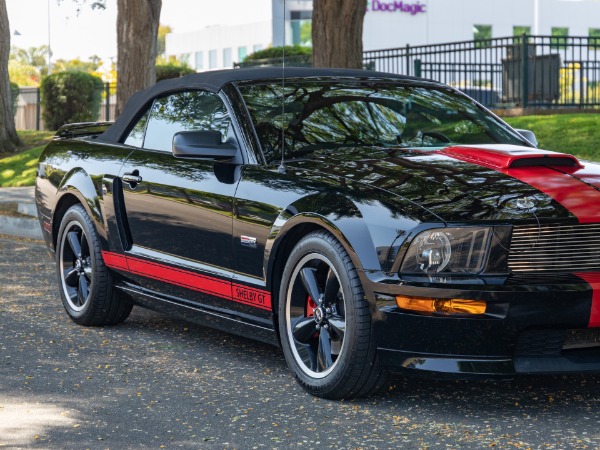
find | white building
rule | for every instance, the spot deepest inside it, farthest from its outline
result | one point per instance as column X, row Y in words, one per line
column 388, row 24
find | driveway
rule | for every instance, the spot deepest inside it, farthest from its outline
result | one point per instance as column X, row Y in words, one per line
column 156, row 382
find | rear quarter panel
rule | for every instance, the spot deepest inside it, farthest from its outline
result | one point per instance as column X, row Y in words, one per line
column 75, row 170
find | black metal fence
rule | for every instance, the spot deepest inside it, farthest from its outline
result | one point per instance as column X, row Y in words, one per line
column 523, row 71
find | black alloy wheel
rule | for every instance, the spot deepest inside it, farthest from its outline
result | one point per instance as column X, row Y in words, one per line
column 325, row 322
column 75, row 266
column 85, row 283
column 315, row 315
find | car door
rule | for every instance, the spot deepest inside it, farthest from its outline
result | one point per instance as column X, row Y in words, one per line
column 177, row 213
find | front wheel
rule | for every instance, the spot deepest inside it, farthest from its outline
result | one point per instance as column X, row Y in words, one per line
column 325, row 321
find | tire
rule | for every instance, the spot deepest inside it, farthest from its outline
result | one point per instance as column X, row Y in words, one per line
column 85, row 283
column 328, row 343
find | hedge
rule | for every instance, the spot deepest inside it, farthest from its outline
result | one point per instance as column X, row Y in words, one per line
column 277, row 52
column 70, row 97
column 166, row 71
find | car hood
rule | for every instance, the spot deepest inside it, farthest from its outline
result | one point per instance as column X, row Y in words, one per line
column 471, row 183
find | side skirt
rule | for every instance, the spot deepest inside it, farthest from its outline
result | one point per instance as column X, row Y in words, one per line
column 200, row 315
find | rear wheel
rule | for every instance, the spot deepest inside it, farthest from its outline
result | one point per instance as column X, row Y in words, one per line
column 325, row 321
column 85, row 282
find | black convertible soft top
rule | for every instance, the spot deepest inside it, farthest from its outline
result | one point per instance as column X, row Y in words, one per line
column 215, row 80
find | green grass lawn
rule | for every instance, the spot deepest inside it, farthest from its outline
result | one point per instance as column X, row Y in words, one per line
column 18, row 169
column 577, row 134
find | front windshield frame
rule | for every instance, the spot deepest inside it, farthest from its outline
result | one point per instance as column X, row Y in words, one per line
column 380, row 98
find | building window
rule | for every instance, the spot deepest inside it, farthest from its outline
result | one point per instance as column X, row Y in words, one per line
column 559, row 37
column 482, row 35
column 594, row 34
column 518, row 31
column 199, row 60
column 257, row 47
column 185, row 58
column 212, row 59
column 227, row 57
column 301, row 22
column 242, row 52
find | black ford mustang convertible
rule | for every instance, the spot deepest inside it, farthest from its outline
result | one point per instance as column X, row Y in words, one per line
column 367, row 223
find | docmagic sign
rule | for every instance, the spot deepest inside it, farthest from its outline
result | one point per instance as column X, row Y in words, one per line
column 395, row 6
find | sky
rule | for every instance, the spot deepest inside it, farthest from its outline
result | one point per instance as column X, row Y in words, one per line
column 93, row 32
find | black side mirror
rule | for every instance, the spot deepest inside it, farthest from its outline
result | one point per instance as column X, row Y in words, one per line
column 528, row 134
column 202, row 145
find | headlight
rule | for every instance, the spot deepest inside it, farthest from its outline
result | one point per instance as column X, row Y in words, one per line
column 448, row 250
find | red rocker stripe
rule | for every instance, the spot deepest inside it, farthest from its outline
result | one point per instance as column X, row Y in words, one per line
column 190, row 280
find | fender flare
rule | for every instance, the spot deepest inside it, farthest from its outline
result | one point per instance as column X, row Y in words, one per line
column 77, row 183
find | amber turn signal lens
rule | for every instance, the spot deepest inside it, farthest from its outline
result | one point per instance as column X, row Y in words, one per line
column 441, row 305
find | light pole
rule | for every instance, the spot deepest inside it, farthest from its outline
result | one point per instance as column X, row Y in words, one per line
column 49, row 51
column 536, row 17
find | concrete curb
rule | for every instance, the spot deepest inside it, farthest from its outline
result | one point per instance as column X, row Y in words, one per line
column 23, row 227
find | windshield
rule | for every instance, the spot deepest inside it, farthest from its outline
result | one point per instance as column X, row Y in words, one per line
column 324, row 114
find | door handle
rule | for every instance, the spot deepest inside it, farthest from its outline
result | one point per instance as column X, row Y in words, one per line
column 132, row 178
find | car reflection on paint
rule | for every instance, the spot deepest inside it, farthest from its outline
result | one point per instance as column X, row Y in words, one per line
column 367, row 223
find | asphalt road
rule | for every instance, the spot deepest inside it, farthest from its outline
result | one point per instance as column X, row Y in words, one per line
column 155, row 382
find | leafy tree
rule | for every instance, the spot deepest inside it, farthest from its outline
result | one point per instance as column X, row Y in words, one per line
column 137, row 33
column 337, row 33
column 9, row 140
column 91, row 66
column 163, row 30
column 23, row 75
column 33, row 56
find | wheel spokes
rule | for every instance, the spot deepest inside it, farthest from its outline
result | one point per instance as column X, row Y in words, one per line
column 304, row 329
column 308, row 275
column 324, row 359
column 83, row 290
column 338, row 326
column 85, row 250
column 73, row 239
column 332, row 287
column 70, row 276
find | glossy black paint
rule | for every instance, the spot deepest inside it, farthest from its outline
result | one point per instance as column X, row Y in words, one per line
column 193, row 215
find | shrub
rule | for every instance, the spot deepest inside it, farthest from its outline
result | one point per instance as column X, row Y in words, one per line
column 277, row 52
column 166, row 71
column 70, row 97
column 14, row 93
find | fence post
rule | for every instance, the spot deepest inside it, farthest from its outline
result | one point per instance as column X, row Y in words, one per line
column 524, row 71
column 418, row 67
column 38, row 109
column 407, row 59
column 107, row 103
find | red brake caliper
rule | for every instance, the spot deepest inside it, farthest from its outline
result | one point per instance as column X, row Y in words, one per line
column 310, row 306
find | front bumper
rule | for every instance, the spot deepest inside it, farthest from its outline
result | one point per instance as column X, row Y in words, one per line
column 532, row 324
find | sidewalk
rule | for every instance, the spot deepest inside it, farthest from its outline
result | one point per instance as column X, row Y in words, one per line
column 18, row 215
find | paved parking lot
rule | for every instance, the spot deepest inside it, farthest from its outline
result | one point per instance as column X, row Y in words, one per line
column 155, row 382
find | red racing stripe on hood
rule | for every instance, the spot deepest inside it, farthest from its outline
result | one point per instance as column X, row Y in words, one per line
column 593, row 279
column 575, row 187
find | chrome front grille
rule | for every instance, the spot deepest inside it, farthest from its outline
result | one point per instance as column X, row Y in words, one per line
column 555, row 248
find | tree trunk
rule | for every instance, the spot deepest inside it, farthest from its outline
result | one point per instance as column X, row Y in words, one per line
column 137, row 30
column 337, row 28
column 8, row 134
